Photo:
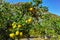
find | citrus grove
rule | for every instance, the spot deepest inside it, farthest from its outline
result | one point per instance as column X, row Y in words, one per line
column 28, row 19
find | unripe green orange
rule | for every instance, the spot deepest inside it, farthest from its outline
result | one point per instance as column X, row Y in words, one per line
column 21, row 33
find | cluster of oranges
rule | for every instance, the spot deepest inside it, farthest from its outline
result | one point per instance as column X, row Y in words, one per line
column 29, row 20
column 14, row 26
column 12, row 35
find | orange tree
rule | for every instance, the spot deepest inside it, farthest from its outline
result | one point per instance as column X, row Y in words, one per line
column 26, row 20
column 16, row 20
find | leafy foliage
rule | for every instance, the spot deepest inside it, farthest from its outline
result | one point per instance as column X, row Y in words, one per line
column 26, row 20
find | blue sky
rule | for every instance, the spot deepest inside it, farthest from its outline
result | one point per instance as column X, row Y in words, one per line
column 53, row 5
